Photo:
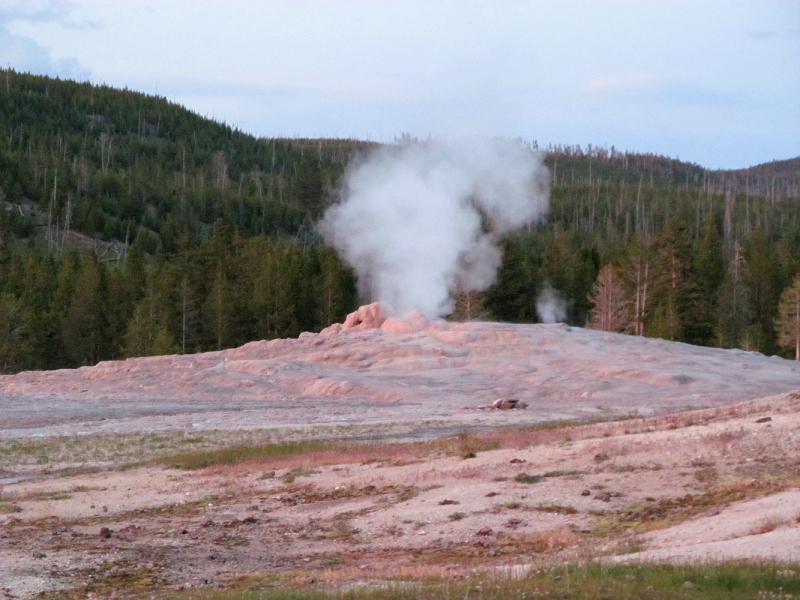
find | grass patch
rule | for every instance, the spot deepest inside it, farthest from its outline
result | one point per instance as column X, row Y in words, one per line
column 315, row 445
column 9, row 508
column 669, row 511
column 564, row 473
column 621, row 468
column 526, row 478
column 331, row 451
column 41, row 496
column 557, row 508
column 249, row 453
column 136, row 449
column 296, row 494
column 296, row 472
column 706, row 475
column 727, row 581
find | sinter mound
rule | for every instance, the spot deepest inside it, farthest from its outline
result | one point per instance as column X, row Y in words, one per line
column 375, row 368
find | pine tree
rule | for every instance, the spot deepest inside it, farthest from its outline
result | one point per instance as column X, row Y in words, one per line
column 787, row 324
column 612, row 307
column 217, row 311
column 187, row 275
column 152, row 314
column 139, row 334
column 764, row 277
column 164, row 343
column 733, row 304
column 702, row 291
column 513, row 297
column 637, row 275
column 83, row 325
column 310, row 191
column 60, row 324
column 469, row 306
column 334, row 290
column 672, row 312
column 14, row 346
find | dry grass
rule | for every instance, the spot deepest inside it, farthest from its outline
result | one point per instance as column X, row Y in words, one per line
column 768, row 524
column 391, row 581
column 288, row 455
column 293, row 495
column 551, row 540
column 648, row 516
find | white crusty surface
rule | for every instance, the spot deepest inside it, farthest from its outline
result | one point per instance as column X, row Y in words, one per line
column 363, row 374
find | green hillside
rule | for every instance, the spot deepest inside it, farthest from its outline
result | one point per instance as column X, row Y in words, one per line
column 130, row 226
column 120, row 164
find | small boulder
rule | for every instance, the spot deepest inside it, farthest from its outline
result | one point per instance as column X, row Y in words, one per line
column 508, row 404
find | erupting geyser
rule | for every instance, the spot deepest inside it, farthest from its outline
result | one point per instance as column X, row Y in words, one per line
column 419, row 221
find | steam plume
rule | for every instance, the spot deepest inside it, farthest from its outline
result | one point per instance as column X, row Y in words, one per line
column 550, row 306
column 419, row 221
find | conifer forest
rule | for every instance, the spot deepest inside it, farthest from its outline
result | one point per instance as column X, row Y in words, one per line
column 130, row 226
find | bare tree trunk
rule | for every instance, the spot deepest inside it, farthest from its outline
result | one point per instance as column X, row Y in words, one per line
column 797, row 326
column 638, row 199
column 66, row 220
column 105, row 152
column 637, row 307
column 50, row 213
column 729, row 202
column 184, row 302
column 644, row 299
column 219, row 313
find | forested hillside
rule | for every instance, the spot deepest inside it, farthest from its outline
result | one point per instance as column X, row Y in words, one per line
column 132, row 226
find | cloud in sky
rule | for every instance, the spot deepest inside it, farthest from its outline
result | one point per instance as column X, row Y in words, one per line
column 22, row 52
column 672, row 77
column 762, row 35
column 618, row 83
column 34, row 10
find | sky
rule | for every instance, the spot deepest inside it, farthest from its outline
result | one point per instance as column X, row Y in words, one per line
column 715, row 82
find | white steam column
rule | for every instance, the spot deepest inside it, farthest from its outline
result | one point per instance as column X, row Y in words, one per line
column 420, row 221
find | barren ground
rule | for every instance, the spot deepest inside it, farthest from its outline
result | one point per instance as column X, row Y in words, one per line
column 717, row 482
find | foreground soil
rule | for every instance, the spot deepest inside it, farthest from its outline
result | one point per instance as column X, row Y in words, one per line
column 713, row 484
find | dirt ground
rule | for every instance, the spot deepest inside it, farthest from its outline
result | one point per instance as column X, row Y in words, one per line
column 716, row 483
column 684, row 454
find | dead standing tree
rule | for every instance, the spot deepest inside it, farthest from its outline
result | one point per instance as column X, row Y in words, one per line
column 641, row 267
column 788, row 322
column 612, row 309
column 105, row 152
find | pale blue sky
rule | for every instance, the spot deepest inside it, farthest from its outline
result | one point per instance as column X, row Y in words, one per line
column 713, row 82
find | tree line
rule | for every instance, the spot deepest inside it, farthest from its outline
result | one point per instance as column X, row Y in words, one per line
column 70, row 309
column 685, row 264
column 131, row 226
